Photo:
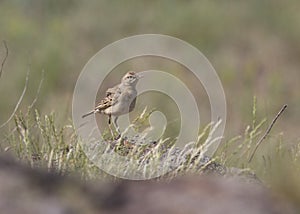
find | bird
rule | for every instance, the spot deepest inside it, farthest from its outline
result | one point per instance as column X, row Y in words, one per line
column 118, row 100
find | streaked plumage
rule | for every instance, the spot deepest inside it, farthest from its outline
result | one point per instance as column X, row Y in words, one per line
column 118, row 100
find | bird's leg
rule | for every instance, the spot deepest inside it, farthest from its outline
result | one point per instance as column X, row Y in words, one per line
column 109, row 125
column 109, row 119
column 117, row 128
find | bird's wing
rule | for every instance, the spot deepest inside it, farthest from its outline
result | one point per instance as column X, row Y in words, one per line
column 110, row 99
column 111, row 91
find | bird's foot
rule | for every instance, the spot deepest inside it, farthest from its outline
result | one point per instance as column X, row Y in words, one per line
column 117, row 137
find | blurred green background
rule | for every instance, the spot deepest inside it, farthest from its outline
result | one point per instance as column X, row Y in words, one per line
column 253, row 45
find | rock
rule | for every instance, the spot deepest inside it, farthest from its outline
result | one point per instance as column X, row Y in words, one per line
column 25, row 190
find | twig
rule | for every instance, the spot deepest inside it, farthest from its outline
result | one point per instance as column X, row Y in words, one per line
column 38, row 92
column 4, row 60
column 18, row 103
column 32, row 104
column 267, row 131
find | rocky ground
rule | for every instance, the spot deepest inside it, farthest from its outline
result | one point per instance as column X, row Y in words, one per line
column 25, row 190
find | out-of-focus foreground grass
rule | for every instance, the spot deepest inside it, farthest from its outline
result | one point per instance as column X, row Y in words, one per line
column 253, row 45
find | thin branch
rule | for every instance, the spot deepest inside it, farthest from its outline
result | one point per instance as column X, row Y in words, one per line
column 267, row 131
column 4, row 60
column 19, row 101
column 38, row 91
column 32, row 104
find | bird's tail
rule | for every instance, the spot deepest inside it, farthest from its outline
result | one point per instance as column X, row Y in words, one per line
column 87, row 114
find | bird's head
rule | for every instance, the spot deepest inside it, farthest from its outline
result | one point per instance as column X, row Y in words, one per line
column 131, row 78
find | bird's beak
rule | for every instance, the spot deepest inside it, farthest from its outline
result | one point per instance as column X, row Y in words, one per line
column 139, row 76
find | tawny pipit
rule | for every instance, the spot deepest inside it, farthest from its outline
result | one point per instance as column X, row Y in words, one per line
column 119, row 100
